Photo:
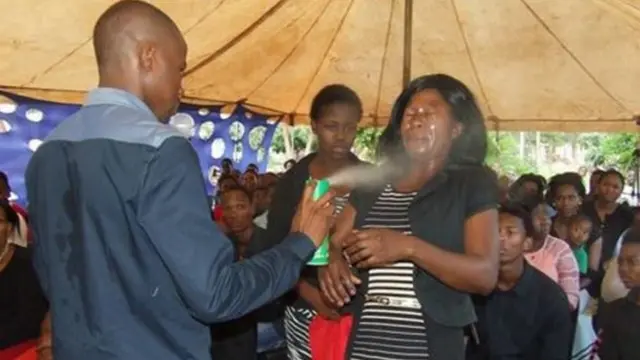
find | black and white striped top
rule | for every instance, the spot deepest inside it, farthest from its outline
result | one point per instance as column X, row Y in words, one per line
column 391, row 332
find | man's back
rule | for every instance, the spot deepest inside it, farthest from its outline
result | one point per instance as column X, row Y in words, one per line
column 125, row 247
column 84, row 189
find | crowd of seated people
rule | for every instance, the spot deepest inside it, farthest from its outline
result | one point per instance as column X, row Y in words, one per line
column 568, row 282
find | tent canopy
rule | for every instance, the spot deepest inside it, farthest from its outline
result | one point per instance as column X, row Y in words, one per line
column 548, row 65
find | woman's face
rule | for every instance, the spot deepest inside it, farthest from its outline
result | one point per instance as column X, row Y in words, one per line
column 528, row 189
column 336, row 129
column 427, row 127
column 567, row 200
column 5, row 229
column 541, row 220
column 225, row 184
column 513, row 237
column 610, row 188
column 250, row 180
column 237, row 210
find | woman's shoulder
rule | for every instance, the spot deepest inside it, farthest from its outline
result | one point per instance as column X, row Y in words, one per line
column 557, row 246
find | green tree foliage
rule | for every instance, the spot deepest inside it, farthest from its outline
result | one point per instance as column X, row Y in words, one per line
column 503, row 155
column 300, row 138
column 366, row 142
column 610, row 150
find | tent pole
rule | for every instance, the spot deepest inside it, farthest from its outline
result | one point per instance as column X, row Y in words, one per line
column 408, row 30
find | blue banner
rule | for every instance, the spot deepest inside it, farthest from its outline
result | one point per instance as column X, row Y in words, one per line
column 242, row 136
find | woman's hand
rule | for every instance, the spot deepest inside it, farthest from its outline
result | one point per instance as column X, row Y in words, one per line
column 316, row 299
column 377, row 247
column 337, row 282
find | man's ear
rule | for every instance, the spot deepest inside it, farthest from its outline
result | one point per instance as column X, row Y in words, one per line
column 147, row 57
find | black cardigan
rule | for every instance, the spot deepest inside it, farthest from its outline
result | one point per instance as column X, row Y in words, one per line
column 283, row 207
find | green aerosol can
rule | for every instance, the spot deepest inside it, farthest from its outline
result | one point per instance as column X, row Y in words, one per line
column 321, row 256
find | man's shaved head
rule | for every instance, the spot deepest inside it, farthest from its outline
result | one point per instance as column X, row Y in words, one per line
column 139, row 49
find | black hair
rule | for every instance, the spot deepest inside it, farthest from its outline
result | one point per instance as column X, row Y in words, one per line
column 597, row 172
column 331, row 95
column 470, row 148
column 241, row 189
column 579, row 217
column 12, row 216
column 5, row 179
column 253, row 167
column 225, row 177
column 613, row 172
column 519, row 211
column 227, row 161
column 632, row 236
column 530, row 204
column 564, row 179
column 539, row 180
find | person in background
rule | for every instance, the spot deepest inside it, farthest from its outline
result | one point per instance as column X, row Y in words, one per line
column 126, row 251
column 594, row 179
column 566, row 194
column 225, row 182
column 21, row 236
column 335, row 113
column 526, row 316
column 238, row 339
column 264, row 197
column 579, row 230
column 289, row 164
column 252, row 167
column 5, row 194
column 227, row 166
column 607, row 214
column 527, row 188
column 620, row 319
column 612, row 286
column 250, row 180
column 551, row 255
column 504, row 183
column 22, row 303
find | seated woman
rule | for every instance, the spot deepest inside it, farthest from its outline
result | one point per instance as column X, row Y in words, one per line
column 427, row 238
column 22, row 304
column 526, row 316
column 239, row 339
column 553, row 256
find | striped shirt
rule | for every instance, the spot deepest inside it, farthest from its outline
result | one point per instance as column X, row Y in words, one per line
column 391, row 332
column 555, row 259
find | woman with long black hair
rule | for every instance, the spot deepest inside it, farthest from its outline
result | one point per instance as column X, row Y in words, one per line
column 425, row 240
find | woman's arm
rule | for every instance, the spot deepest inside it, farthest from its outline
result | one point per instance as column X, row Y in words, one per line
column 568, row 274
column 474, row 271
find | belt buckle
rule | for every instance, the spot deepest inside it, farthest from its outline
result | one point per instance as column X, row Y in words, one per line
column 378, row 299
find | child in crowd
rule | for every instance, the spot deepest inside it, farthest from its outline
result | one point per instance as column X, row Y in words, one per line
column 579, row 230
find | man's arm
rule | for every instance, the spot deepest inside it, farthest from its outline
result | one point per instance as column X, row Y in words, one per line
column 174, row 212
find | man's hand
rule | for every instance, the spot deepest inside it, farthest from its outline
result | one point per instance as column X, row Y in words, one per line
column 314, row 218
